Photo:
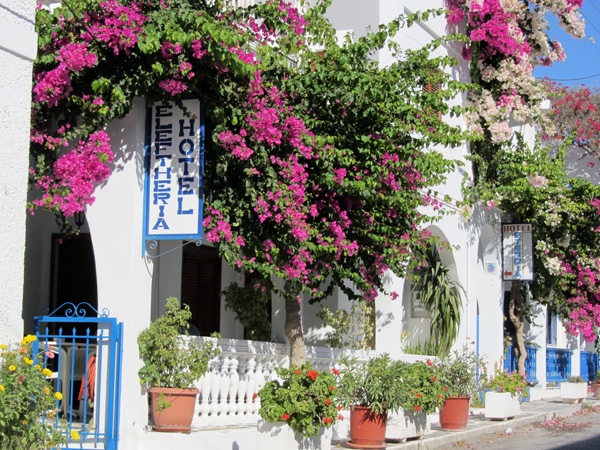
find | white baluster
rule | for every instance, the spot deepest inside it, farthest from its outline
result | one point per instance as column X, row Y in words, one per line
column 250, row 386
column 259, row 382
column 215, row 384
column 204, row 387
column 234, row 381
column 242, row 400
column 224, row 386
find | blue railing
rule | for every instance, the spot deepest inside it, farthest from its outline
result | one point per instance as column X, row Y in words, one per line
column 510, row 361
column 589, row 365
column 558, row 364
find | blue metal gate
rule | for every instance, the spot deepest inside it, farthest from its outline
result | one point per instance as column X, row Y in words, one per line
column 83, row 349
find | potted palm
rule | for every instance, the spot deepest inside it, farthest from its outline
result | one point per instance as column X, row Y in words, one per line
column 504, row 391
column 421, row 394
column 596, row 386
column 457, row 372
column 298, row 410
column 369, row 389
column 574, row 390
column 172, row 364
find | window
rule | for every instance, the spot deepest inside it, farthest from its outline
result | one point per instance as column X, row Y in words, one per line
column 551, row 328
column 201, row 287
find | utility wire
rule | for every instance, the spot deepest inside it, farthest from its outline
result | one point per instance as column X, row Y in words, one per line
column 569, row 79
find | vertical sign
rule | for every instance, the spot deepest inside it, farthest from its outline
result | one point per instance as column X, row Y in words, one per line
column 517, row 251
column 174, row 168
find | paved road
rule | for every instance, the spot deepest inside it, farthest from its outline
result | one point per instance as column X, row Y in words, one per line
column 580, row 431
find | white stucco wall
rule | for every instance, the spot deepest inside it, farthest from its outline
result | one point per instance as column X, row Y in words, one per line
column 16, row 61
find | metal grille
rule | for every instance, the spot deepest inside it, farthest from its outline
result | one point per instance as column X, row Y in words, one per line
column 84, row 351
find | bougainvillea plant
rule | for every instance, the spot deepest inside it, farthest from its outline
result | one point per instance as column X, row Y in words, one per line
column 317, row 161
column 505, row 41
column 575, row 115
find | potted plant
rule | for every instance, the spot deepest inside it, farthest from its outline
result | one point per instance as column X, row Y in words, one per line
column 421, row 394
column 574, row 390
column 457, row 372
column 369, row 389
column 596, row 386
column 504, row 391
column 172, row 364
column 298, row 410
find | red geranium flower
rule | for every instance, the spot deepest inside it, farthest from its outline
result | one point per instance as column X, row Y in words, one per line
column 417, row 408
column 327, row 402
column 418, row 395
column 335, row 371
column 312, row 374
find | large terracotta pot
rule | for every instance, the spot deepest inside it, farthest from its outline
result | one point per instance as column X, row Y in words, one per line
column 177, row 417
column 596, row 388
column 367, row 429
column 454, row 415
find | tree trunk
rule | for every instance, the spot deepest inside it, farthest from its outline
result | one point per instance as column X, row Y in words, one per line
column 293, row 328
column 515, row 312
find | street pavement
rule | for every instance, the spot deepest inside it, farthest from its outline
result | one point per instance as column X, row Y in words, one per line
column 543, row 424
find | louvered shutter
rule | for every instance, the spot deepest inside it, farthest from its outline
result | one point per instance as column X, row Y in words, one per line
column 201, row 287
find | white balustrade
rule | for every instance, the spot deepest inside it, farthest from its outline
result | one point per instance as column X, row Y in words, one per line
column 243, row 367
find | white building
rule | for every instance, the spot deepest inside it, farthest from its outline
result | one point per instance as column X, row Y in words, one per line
column 108, row 265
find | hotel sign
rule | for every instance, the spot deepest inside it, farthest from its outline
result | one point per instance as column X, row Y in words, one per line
column 517, row 252
column 174, row 169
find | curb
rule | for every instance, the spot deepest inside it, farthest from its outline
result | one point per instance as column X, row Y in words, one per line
column 479, row 426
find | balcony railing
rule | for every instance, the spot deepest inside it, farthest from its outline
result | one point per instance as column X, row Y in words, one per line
column 243, row 367
column 510, row 362
column 558, row 364
column 589, row 365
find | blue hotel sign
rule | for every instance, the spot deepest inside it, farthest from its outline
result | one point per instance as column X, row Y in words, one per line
column 517, row 252
column 174, row 169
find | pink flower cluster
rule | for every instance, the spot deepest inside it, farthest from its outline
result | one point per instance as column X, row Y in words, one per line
column 119, row 26
column 54, row 85
column 78, row 171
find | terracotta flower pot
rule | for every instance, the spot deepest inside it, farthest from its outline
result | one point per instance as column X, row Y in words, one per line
column 454, row 415
column 177, row 417
column 367, row 429
column 596, row 388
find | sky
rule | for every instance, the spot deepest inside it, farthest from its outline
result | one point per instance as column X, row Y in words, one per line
column 582, row 65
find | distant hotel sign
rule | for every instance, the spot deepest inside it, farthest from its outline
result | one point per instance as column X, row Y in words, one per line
column 517, row 251
column 174, row 168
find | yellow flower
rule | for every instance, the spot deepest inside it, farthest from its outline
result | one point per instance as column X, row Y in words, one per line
column 30, row 338
column 52, row 414
column 74, row 435
column 3, row 346
column 24, row 422
column 37, row 367
column 1, row 388
column 47, row 390
column 58, row 396
column 12, row 368
column 47, row 372
column 28, row 361
column 23, row 342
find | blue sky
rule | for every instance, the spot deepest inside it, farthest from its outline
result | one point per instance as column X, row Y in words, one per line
column 583, row 56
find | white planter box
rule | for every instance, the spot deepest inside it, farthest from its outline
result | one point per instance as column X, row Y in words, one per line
column 573, row 392
column 406, row 425
column 501, row 405
column 278, row 436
